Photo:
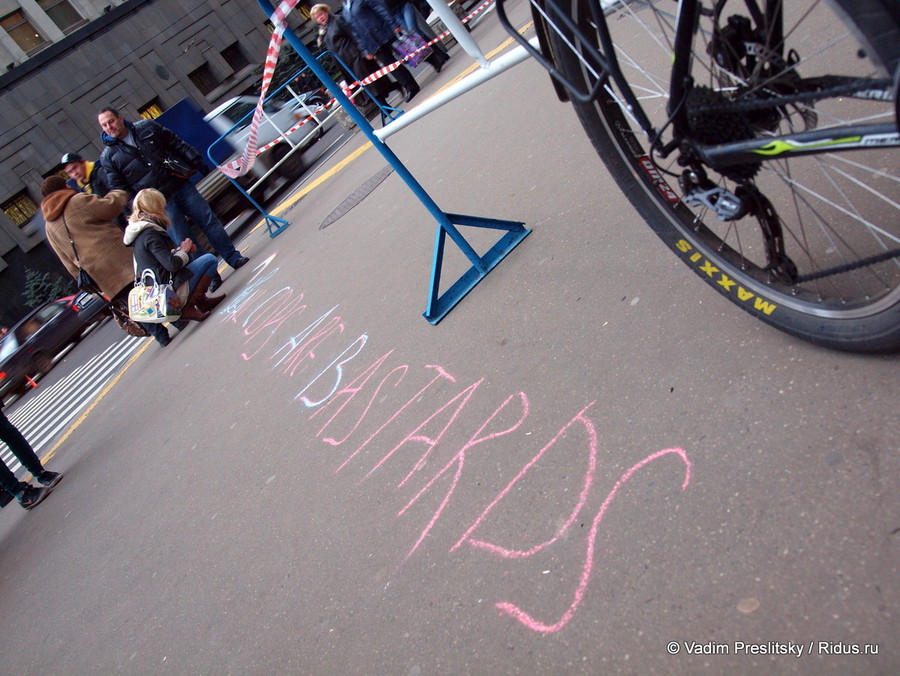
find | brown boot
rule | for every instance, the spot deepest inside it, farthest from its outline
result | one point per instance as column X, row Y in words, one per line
column 204, row 303
column 191, row 311
column 192, row 308
column 209, row 303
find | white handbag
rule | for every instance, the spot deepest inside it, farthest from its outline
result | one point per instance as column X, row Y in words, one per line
column 153, row 303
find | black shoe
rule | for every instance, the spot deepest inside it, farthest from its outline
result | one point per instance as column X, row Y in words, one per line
column 411, row 93
column 49, row 479
column 215, row 283
column 163, row 339
column 31, row 497
column 181, row 324
column 239, row 262
column 437, row 60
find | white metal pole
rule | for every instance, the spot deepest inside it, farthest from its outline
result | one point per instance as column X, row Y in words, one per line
column 454, row 25
column 490, row 70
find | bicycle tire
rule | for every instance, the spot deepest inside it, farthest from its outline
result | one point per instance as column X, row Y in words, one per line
column 858, row 310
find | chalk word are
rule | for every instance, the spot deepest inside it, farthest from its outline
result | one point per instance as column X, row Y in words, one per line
column 341, row 388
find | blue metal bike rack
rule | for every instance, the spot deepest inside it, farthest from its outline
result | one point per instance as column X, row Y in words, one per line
column 439, row 304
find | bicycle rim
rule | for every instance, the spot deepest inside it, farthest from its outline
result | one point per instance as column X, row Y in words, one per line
column 836, row 210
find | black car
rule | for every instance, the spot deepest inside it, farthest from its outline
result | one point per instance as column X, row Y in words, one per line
column 30, row 348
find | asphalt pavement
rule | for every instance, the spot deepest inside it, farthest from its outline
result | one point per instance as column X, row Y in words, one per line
column 594, row 464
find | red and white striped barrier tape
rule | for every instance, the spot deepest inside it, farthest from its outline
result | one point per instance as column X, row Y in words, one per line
column 248, row 157
column 392, row 67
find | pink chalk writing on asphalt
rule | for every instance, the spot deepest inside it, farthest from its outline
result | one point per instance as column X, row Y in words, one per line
column 588, row 567
column 459, row 461
column 322, row 359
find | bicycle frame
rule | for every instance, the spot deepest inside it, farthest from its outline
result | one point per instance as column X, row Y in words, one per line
column 604, row 65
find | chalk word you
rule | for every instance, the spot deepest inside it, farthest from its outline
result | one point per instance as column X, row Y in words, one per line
column 343, row 388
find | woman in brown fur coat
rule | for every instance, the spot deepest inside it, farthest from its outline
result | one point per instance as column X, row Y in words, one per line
column 98, row 240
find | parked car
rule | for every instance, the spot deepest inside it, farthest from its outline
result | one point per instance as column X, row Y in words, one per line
column 233, row 118
column 31, row 347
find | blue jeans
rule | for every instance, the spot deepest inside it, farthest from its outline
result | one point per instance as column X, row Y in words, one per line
column 158, row 331
column 205, row 264
column 414, row 22
column 23, row 451
column 186, row 201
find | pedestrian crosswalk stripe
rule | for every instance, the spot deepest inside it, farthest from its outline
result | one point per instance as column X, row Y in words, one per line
column 49, row 410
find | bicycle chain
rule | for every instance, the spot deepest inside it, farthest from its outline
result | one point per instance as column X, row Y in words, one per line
column 806, row 97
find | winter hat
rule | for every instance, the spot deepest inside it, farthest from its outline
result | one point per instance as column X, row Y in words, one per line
column 52, row 184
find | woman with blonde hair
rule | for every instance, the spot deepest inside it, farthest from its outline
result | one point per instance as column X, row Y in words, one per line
column 146, row 232
column 83, row 230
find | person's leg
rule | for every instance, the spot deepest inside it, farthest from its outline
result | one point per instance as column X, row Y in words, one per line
column 385, row 57
column 9, row 483
column 202, row 265
column 27, row 494
column 178, row 229
column 420, row 25
column 158, row 331
column 436, row 59
column 199, row 305
column 380, row 89
column 409, row 18
column 19, row 446
column 198, row 210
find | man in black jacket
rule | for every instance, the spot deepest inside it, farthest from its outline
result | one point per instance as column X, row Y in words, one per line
column 144, row 154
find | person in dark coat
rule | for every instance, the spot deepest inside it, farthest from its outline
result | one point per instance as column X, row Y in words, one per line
column 335, row 36
column 136, row 157
column 374, row 28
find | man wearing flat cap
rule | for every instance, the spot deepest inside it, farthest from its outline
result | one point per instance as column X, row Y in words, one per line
column 84, row 176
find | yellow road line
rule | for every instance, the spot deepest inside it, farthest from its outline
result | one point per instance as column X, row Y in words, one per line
column 305, row 190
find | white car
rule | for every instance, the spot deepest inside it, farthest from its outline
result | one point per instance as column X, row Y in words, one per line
column 279, row 124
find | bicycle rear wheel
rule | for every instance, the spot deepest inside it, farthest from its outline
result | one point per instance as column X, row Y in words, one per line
column 839, row 213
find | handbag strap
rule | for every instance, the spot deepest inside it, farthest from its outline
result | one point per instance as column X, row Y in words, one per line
column 71, row 241
column 147, row 272
column 152, row 275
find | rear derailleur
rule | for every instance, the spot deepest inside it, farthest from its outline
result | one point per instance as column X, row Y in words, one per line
column 746, row 200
